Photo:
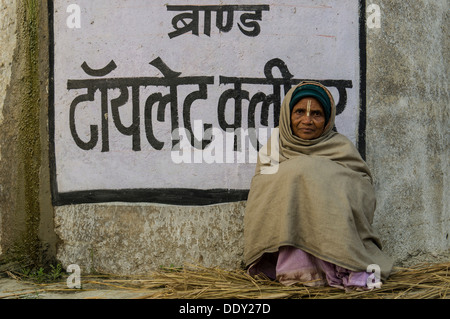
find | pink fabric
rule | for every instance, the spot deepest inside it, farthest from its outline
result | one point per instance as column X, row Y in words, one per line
column 291, row 265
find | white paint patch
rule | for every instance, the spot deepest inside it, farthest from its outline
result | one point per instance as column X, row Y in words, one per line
column 113, row 126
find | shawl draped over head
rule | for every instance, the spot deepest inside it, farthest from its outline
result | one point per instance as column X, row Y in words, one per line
column 315, row 195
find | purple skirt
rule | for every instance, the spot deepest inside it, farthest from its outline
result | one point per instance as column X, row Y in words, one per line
column 291, row 265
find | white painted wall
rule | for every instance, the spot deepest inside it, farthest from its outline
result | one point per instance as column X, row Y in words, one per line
column 315, row 39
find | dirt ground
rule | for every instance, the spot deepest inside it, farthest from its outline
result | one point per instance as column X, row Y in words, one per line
column 17, row 289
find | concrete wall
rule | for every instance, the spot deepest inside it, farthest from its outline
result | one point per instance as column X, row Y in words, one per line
column 26, row 214
column 408, row 127
column 8, row 43
column 406, row 148
column 8, row 36
column 130, row 239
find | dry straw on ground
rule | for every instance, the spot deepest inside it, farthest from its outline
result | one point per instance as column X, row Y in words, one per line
column 424, row 281
column 428, row 281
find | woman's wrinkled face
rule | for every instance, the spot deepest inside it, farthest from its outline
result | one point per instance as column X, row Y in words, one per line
column 308, row 119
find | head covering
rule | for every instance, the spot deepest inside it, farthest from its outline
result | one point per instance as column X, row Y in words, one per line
column 315, row 195
column 312, row 90
column 292, row 144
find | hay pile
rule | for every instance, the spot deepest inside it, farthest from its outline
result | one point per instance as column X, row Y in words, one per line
column 425, row 281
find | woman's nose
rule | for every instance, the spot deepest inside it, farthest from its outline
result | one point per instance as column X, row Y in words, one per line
column 307, row 119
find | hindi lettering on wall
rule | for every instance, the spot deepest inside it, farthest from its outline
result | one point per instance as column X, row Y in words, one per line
column 169, row 102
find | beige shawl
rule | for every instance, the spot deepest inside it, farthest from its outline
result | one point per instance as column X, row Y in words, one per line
column 316, row 195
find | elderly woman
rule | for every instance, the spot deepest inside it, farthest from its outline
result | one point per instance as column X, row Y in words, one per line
column 308, row 220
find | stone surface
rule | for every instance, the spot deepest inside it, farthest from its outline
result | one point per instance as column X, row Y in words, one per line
column 8, row 41
column 134, row 239
column 16, row 289
column 408, row 127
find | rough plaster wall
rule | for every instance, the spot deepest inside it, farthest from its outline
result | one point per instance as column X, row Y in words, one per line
column 408, row 128
column 7, row 45
column 134, row 239
column 26, row 214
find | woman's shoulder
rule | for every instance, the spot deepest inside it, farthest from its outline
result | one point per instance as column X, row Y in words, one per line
column 342, row 141
column 341, row 137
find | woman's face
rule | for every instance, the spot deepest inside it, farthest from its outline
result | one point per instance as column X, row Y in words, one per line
column 307, row 119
